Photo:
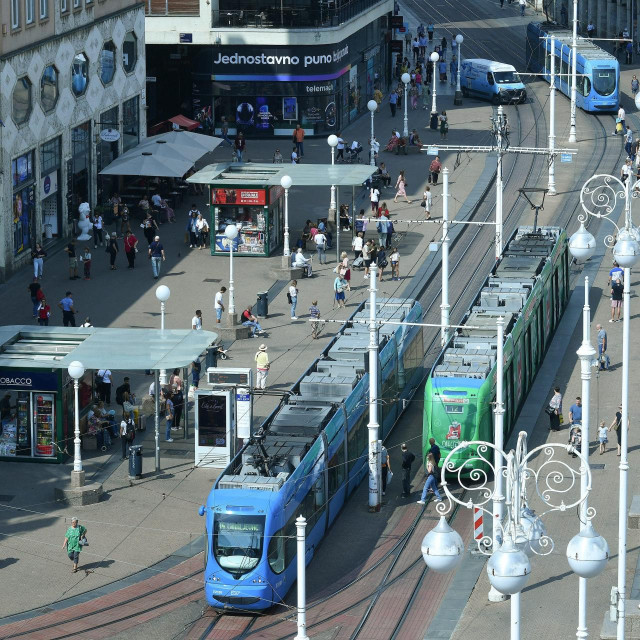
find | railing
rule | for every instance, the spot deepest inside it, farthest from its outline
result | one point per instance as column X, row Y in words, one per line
column 323, row 14
column 172, row 8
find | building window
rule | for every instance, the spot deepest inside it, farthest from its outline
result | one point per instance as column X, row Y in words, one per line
column 49, row 88
column 44, row 9
column 15, row 14
column 129, row 52
column 79, row 74
column 29, row 11
column 76, row 4
column 50, row 156
column 79, row 167
column 64, row 6
column 130, row 123
column 23, row 172
column 22, row 100
column 107, row 62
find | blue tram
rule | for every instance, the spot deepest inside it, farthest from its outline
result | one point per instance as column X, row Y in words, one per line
column 597, row 84
column 306, row 459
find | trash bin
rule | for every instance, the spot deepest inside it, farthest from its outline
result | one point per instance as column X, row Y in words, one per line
column 434, row 120
column 48, row 231
column 262, row 304
column 135, row 461
column 211, row 357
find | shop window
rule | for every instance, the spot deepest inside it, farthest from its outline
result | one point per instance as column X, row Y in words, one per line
column 49, row 88
column 79, row 74
column 22, row 100
column 15, row 14
column 23, row 202
column 107, row 62
column 130, row 123
column 129, row 52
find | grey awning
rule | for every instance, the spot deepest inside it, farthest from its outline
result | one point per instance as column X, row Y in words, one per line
column 303, row 175
column 29, row 347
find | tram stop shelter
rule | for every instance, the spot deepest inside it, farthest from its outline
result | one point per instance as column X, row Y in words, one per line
column 250, row 196
column 36, row 391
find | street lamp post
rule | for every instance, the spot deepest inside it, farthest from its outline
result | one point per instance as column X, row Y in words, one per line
column 406, row 79
column 445, row 307
column 552, row 119
column 523, row 532
column 162, row 293
column 434, row 57
column 286, row 182
column 372, row 105
column 231, row 233
column 332, row 141
column 457, row 100
column 373, row 426
column 574, row 53
column 76, row 371
column 599, row 197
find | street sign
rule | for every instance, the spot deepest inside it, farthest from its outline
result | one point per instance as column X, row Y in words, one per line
column 432, row 151
column 566, row 157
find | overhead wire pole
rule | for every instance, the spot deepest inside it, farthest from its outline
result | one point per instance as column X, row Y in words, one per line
column 373, row 426
column 574, row 55
column 499, row 131
column 445, row 307
column 552, row 121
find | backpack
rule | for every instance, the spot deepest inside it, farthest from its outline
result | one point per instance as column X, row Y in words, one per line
column 131, row 430
column 289, row 300
column 119, row 394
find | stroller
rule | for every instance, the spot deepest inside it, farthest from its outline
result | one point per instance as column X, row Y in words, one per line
column 353, row 153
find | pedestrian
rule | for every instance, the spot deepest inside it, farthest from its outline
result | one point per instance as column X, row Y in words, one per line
column 156, row 253
column 86, row 323
column 44, row 313
column 127, row 436
column 443, row 43
column 602, row 437
column 523, row 5
column 125, row 387
column 401, row 188
column 298, row 138
column 218, row 304
column 385, row 467
column 635, row 85
column 339, row 286
column 196, row 368
column 292, row 296
column 453, row 70
column 628, row 142
column 38, row 254
column 426, row 92
column 381, row 261
column 192, row 227
column 390, row 232
column 340, row 147
column 395, row 264
column 602, row 347
column 196, row 321
column 616, row 425
column 621, row 124
column 105, row 385
column 434, row 170
column 393, row 103
column 435, row 450
column 343, row 269
column 74, row 539
column 224, row 131
column 427, row 202
column 366, row 258
column 36, row 293
column 555, row 409
column 616, row 299
column 430, row 29
column 407, row 40
column 616, row 273
column 381, row 228
column 85, row 258
column 314, row 313
column 413, row 94
column 116, row 203
column 357, row 244
column 629, row 52
column 98, row 226
column 374, row 196
column 432, row 480
column 70, row 250
column 149, row 227
column 262, row 366
column 277, row 157
column 407, row 460
column 502, row 4
column 239, row 145
column 444, row 125
column 169, row 414
column 178, row 405
column 591, row 29
column 68, row 311
column 575, row 412
column 130, row 248
column 320, row 241
column 294, row 156
column 202, row 227
column 249, row 320
column 112, row 250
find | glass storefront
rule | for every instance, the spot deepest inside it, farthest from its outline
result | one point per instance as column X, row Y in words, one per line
column 130, row 123
column 51, row 203
column 23, row 204
column 107, row 152
column 80, row 167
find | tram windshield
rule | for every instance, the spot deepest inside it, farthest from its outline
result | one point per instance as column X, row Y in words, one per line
column 604, row 81
column 506, row 77
column 237, row 541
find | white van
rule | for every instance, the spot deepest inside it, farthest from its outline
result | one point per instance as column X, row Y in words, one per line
column 494, row 81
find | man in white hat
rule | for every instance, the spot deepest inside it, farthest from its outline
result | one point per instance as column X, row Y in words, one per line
column 262, row 366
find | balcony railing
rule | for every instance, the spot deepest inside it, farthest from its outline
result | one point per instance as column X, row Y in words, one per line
column 172, row 8
column 322, row 14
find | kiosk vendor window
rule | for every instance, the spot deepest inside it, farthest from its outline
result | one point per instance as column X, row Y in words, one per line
column 258, row 214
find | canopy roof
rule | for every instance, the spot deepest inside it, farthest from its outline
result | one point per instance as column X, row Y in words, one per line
column 185, row 123
column 262, row 174
column 29, row 347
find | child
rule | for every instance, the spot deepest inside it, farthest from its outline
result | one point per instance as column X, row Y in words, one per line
column 395, row 264
column 86, row 258
column 602, row 437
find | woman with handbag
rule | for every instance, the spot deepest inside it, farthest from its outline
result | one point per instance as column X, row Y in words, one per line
column 343, row 269
column 112, row 250
column 130, row 248
column 74, row 539
column 555, row 409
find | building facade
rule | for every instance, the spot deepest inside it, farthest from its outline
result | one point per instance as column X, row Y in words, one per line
column 72, row 79
column 265, row 66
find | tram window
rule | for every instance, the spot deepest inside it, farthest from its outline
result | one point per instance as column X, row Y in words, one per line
column 357, row 439
column 584, row 86
column 276, row 552
column 237, row 541
column 604, row 81
column 336, row 471
column 490, row 78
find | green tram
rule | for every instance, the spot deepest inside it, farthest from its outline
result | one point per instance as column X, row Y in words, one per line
column 529, row 287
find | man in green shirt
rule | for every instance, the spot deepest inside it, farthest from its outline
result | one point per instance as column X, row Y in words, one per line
column 72, row 542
